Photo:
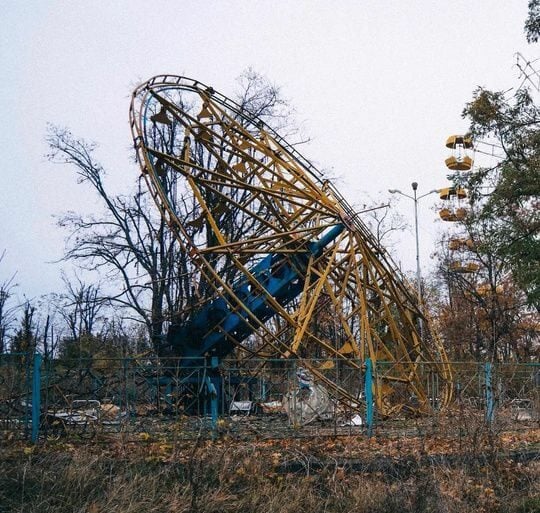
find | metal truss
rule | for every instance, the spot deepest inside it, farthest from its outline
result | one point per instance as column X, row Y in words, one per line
column 280, row 265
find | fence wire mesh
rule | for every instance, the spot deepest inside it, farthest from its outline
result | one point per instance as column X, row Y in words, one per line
column 138, row 398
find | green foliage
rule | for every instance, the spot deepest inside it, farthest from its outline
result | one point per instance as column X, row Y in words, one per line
column 532, row 23
column 507, row 195
column 90, row 348
column 529, row 505
column 24, row 340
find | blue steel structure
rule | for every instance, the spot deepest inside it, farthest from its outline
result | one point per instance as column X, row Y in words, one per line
column 219, row 327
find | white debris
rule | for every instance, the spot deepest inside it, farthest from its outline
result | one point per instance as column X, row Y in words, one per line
column 272, row 407
column 355, row 421
column 309, row 401
column 244, row 407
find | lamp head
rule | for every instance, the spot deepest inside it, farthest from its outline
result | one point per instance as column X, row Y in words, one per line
column 414, row 186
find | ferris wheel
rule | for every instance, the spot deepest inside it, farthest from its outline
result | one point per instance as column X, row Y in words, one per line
column 277, row 264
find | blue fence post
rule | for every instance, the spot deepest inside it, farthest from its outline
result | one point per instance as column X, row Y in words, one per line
column 368, row 389
column 36, row 397
column 490, row 401
column 213, row 387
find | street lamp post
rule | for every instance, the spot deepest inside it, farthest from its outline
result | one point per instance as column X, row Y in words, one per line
column 418, row 275
column 416, row 199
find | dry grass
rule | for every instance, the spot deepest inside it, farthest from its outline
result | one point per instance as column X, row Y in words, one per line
column 226, row 476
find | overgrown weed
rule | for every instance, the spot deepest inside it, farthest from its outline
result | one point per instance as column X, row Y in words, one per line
column 212, row 477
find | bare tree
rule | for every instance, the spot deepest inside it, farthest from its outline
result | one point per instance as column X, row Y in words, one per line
column 79, row 306
column 383, row 220
column 129, row 243
column 7, row 309
column 257, row 96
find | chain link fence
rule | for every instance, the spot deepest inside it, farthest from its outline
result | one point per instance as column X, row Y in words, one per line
column 139, row 398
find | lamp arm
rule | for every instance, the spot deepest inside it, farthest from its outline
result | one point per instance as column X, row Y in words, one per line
column 428, row 193
column 394, row 191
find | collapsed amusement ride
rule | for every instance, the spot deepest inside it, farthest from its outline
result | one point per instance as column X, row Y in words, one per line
column 278, row 265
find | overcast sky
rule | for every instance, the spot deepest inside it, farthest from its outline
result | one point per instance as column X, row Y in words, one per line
column 378, row 85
